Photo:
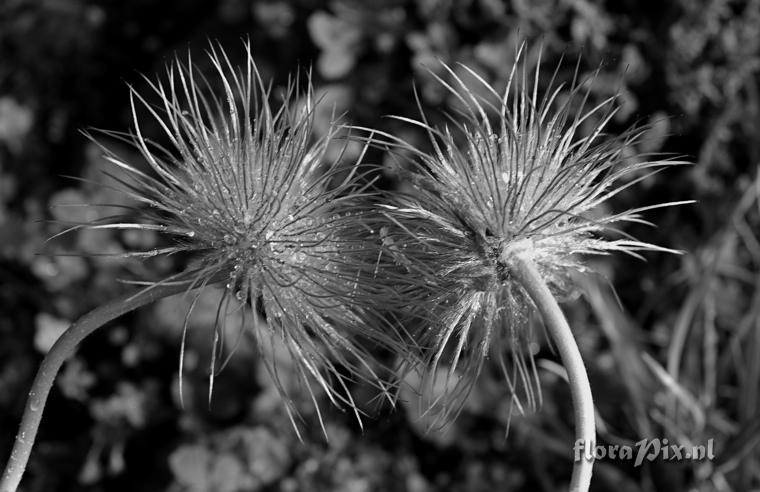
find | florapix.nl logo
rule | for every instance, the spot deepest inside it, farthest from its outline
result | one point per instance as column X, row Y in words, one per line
column 644, row 450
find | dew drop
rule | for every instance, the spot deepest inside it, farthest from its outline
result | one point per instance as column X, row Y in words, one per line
column 248, row 220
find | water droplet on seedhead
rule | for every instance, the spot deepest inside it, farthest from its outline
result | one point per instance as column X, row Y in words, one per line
column 248, row 218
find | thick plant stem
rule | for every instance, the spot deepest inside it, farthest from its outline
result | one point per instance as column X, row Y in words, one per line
column 63, row 348
column 527, row 274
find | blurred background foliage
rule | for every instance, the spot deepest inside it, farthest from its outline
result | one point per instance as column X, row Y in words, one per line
column 672, row 351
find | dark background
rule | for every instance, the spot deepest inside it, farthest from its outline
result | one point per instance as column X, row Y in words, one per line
column 676, row 358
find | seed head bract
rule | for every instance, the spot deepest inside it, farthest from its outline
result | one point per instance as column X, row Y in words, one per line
column 511, row 173
column 247, row 191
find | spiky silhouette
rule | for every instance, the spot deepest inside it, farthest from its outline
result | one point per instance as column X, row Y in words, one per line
column 250, row 193
column 511, row 174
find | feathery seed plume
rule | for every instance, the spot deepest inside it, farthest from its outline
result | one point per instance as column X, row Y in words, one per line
column 244, row 188
column 514, row 176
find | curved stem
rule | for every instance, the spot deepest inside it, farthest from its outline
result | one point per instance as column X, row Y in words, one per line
column 527, row 274
column 63, row 348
